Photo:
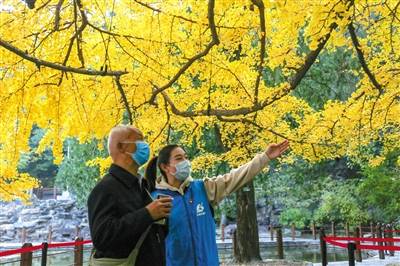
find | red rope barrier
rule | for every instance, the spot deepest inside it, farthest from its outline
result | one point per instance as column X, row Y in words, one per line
column 66, row 244
column 373, row 247
column 334, row 241
column 38, row 247
column 20, row 250
column 392, row 231
column 364, row 239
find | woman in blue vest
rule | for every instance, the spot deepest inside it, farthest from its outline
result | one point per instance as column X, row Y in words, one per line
column 191, row 228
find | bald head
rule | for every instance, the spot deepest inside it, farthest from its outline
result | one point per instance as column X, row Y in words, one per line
column 120, row 134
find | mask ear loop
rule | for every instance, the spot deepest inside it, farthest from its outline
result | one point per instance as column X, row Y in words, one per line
column 119, row 146
column 176, row 170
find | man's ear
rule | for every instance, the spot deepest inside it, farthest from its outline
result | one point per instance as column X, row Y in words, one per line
column 120, row 147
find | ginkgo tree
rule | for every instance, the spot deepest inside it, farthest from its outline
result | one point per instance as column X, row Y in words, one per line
column 76, row 68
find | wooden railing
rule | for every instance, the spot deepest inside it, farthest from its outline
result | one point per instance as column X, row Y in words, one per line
column 27, row 250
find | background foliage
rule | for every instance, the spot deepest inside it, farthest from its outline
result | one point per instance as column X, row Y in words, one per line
column 224, row 78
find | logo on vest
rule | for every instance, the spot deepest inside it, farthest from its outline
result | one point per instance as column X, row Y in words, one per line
column 200, row 209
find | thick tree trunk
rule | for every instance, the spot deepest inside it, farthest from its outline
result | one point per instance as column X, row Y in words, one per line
column 247, row 245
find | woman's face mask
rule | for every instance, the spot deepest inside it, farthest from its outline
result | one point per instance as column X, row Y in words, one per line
column 183, row 170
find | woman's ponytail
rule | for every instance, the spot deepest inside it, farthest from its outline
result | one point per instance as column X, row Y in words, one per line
column 151, row 173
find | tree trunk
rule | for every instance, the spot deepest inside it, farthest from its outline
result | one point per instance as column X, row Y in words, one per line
column 247, row 245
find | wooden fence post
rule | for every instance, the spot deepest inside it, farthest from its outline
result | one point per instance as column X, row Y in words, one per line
column 380, row 235
column 389, row 234
column 358, row 250
column 50, row 234
column 333, row 229
column 350, row 250
column 222, row 232
column 324, row 257
column 279, row 242
column 26, row 258
column 44, row 253
column 313, row 231
column 23, row 235
column 78, row 253
column 77, row 231
column 235, row 245
column 271, row 231
column 293, row 231
column 371, row 225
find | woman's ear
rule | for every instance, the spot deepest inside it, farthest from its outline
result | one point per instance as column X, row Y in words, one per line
column 163, row 167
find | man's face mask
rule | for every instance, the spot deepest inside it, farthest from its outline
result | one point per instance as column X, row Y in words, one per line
column 142, row 153
column 183, row 170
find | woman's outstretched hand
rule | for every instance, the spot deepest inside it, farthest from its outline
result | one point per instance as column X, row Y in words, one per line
column 275, row 150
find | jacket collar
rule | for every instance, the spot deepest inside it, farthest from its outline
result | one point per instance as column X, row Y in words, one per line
column 162, row 183
column 124, row 176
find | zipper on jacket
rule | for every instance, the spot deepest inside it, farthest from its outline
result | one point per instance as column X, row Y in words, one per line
column 190, row 226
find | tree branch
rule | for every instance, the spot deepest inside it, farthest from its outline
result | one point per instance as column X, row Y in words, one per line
column 43, row 6
column 78, row 33
column 309, row 61
column 166, row 122
column 124, row 99
column 247, row 121
column 214, row 41
column 157, row 10
column 395, row 98
column 361, row 58
column 393, row 11
column 115, row 34
column 57, row 66
column 57, row 15
column 137, row 60
column 226, row 68
column 261, row 8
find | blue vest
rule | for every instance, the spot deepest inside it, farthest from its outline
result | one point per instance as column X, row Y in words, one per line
column 191, row 236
